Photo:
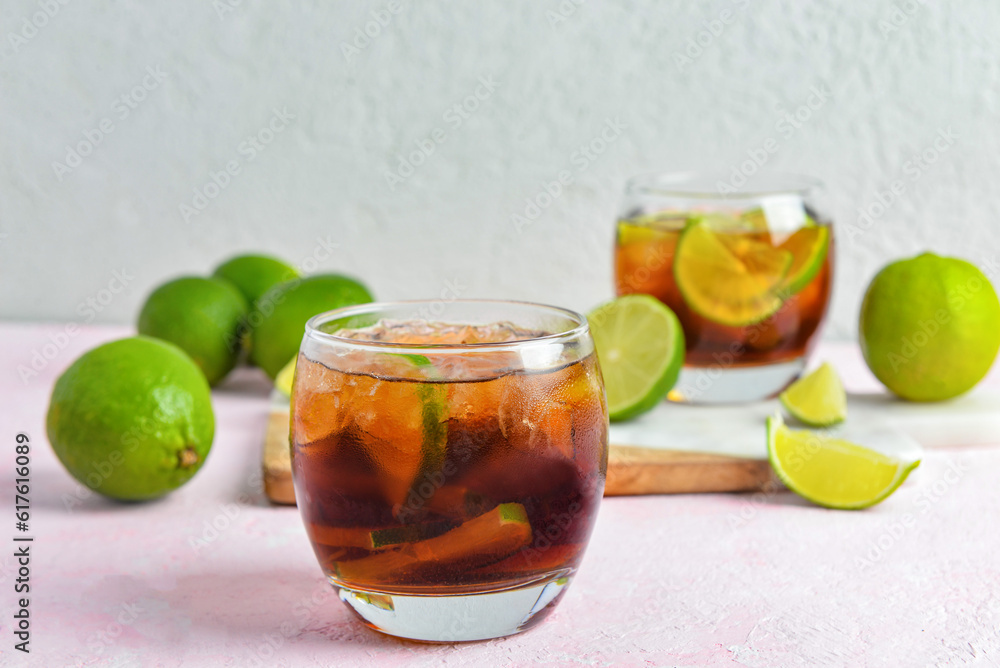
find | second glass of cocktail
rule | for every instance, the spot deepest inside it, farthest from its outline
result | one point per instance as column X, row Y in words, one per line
column 747, row 269
column 449, row 459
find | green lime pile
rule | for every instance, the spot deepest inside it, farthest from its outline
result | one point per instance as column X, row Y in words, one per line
column 253, row 275
column 277, row 333
column 253, row 306
column 202, row 316
column 132, row 419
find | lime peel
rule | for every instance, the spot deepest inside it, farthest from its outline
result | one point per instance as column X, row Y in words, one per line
column 830, row 471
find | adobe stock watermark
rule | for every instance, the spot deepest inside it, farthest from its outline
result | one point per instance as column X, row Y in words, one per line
column 101, row 470
column 788, row 123
column 900, row 14
column 247, row 151
column 454, row 116
column 303, row 610
column 913, row 169
column 712, row 29
column 323, row 251
column 122, row 107
column 371, row 30
column 33, row 23
column 957, row 298
column 225, row 7
column 582, row 158
column 752, row 504
column 563, row 11
column 213, row 529
column 102, row 640
column 895, row 529
column 88, row 309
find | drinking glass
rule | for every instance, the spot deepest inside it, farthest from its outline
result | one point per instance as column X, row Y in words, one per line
column 449, row 460
column 747, row 269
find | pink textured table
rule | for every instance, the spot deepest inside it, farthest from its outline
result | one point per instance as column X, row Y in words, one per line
column 214, row 576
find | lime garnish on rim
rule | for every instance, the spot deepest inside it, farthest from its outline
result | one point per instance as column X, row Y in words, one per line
column 817, row 399
column 830, row 471
column 640, row 346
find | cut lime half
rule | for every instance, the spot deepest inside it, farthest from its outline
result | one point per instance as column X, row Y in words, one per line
column 640, row 346
column 830, row 471
column 818, row 399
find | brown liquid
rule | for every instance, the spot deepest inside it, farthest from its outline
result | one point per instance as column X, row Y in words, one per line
column 441, row 487
column 647, row 266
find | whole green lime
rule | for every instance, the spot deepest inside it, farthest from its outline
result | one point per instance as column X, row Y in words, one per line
column 253, row 275
column 930, row 327
column 280, row 319
column 204, row 316
column 132, row 419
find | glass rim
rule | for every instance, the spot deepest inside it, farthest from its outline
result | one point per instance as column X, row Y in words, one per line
column 581, row 327
column 704, row 184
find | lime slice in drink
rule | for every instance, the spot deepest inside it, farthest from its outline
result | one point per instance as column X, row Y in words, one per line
column 808, row 246
column 640, row 345
column 407, row 469
column 754, row 220
column 818, row 399
column 830, row 471
column 283, row 381
column 479, row 541
column 731, row 279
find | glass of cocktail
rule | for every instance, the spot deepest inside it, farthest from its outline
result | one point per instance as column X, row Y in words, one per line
column 449, row 459
column 747, row 269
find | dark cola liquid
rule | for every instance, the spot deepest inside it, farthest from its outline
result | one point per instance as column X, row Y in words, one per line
column 436, row 487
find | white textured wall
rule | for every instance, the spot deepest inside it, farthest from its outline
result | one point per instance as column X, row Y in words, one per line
column 562, row 72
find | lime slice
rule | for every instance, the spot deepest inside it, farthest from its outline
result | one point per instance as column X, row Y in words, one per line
column 283, row 381
column 818, row 399
column 832, row 472
column 433, row 398
column 808, row 246
column 479, row 541
column 731, row 279
column 640, row 345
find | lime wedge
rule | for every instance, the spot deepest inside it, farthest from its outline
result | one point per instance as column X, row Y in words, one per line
column 731, row 279
column 818, row 399
column 640, row 346
column 830, row 471
column 808, row 246
column 283, row 381
column 433, row 398
column 479, row 541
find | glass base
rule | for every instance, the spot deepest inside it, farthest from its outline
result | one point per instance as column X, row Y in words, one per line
column 460, row 617
column 718, row 385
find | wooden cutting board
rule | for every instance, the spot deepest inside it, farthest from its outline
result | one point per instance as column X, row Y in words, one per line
column 631, row 469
